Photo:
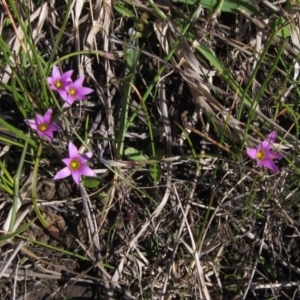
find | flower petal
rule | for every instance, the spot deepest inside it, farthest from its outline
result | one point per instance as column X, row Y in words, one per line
column 66, row 77
column 48, row 135
column 63, row 94
column 272, row 136
column 39, row 119
column 268, row 154
column 65, row 172
column 82, row 159
column 54, row 127
column 85, row 91
column 50, row 80
column 87, row 171
column 80, row 97
column 77, row 84
column 55, row 72
column 276, row 155
column 32, row 124
column 252, row 152
column 73, row 152
column 70, row 99
column 66, row 105
column 266, row 145
column 66, row 161
column 268, row 163
column 76, row 176
column 48, row 116
column 87, row 155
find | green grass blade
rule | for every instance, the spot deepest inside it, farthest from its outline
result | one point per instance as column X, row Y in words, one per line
column 16, row 198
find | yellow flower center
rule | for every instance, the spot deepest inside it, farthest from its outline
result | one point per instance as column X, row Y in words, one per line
column 72, row 91
column 261, row 155
column 74, row 164
column 43, row 127
column 58, row 84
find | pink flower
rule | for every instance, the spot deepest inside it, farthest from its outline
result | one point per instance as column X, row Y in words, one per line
column 43, row 125
column 58, row 82
column 76, row 91
column 263, row 155
column 75, row 165
column 272, row 137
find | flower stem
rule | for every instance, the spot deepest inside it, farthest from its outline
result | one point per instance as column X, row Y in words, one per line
column 34, row 183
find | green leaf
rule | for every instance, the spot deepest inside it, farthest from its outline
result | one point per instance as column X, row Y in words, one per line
column 155, row 172
column 91, row 182
column 226, row 75
column 134, row 154
column 13, row 234
column 282, row 27
column 230, row 6
column 155, row 169
column 14, row 132
column 124, row 11
column 262, row 260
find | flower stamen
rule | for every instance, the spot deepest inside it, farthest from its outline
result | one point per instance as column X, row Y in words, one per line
column 261, row 155
column 72, row 91
column 74, row 164
column 58, row 84
column 43, row 127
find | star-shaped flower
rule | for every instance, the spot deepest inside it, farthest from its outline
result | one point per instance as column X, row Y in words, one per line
column 59, row 82
column 76, row 91
column 75, row 165
column 264, row 155
column 43, row 125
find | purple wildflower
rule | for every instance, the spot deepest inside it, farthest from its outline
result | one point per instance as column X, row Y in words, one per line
column 264, row 155
column 272, row 137
column 75, row 165
column 59, row 82
column 43, row 125
column 76, row 91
